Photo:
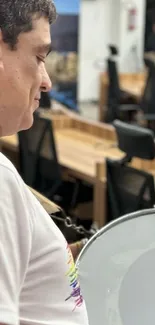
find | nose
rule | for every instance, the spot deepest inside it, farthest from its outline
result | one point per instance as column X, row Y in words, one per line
column 46, row 81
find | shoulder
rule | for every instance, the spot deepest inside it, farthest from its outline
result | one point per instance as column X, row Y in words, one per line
column 14, row 193
column 6, row 167
column 10, row 179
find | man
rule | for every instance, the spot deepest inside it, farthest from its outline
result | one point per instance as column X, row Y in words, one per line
column 38, row 280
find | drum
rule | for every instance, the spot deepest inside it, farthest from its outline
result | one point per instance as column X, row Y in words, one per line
column 117, row 272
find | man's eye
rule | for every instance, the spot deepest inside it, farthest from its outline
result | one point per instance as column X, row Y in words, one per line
column 39, row 59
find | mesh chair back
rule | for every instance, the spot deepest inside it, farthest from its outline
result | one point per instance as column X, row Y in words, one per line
column 38, row 158
column 48, row 169
column 129, row 189
column 29, row 147
column 148, row 99
column 135, row 140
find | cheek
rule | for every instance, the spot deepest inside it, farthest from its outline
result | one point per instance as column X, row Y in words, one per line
column 28, row 72
column 31, row 75
column 35, row 87
column 28, row 83
column 22, row 80
column 34, row 76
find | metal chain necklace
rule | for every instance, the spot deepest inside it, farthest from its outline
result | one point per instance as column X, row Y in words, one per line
column 67, row 221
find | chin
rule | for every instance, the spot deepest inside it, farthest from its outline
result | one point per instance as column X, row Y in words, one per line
column 27, row 123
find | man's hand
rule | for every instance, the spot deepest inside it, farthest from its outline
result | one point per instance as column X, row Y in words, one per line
column 77, row 247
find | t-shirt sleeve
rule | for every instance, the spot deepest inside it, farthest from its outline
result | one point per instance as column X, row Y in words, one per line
column 15, row 244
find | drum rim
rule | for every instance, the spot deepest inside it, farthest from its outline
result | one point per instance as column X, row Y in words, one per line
column 110, row 225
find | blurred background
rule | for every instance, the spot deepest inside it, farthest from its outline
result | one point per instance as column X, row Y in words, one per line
column 80, row 40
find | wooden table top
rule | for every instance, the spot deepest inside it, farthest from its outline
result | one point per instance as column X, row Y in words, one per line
column 80, row 152
column 134, row 87
column 77, row 151
column 133, row 83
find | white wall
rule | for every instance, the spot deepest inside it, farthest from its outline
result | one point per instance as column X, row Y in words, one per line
column 115, row 22
column 132, row 42
column 103, row 22
column 93, row 38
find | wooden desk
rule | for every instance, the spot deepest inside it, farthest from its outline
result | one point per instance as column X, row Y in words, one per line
column 58, row 109
column 82, row 148
column 132, row 83
column 49, row 206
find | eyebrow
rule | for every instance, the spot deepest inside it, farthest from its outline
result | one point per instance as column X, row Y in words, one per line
column 45, row 48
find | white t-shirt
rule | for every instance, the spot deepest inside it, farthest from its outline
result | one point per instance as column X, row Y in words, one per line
column 38, row 281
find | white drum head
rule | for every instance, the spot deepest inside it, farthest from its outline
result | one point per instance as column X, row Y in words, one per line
column 117, row 272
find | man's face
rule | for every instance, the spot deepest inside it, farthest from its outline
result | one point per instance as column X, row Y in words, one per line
column 22, row 77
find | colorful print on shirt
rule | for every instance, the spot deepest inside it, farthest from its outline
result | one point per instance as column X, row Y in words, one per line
column 73, row 280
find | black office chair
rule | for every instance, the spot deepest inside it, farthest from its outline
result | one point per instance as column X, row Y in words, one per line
column 120, row 104
column 135, row 141
column 113, row 50
column 39, row 165
column 29, row 149
column 147, row 104
column 68, row 194
column 130, row 189
column 40, row 169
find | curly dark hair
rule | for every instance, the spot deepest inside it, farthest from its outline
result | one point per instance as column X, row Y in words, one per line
column 16, row 17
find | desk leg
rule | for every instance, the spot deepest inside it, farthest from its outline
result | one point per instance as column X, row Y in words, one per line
column 100, row 203
column 100, row 196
